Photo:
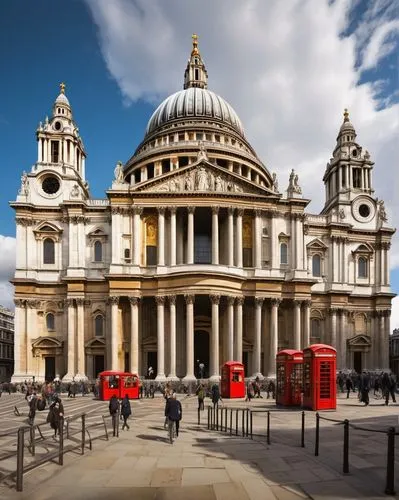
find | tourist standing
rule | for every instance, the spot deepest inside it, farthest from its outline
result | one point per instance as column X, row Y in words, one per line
column 113, row 411
column 126, row 411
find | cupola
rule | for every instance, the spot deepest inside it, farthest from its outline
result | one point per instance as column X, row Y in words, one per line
column 195, row 74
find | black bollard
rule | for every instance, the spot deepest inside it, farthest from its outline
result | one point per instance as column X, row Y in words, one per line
column 316, row 444
column 268, row 427
column 303, row 430
column 345, row 467
column 390, row 484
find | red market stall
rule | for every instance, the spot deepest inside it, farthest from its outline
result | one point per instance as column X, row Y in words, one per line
column 232, row 382
column 118, row 383
column 319, row 386
column 289, row 377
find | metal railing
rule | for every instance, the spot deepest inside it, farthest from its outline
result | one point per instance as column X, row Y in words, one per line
column 219, row 419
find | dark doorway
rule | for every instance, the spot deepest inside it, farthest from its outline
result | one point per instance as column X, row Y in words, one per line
column 127, row 363
column 98, row 365
column 152, row 360
column 245, row 363
column 357, row 361
column 201, row 352
column 49, row 371
column 202, row 236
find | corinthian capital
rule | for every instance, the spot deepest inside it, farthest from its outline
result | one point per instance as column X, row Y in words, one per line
column 259, row 301
column 113, row 300
column 172, row 300
column 215, row 298
column 134, row 301
column 275, row 302
column 160, row 300
column 189, row 298
column 240, row 300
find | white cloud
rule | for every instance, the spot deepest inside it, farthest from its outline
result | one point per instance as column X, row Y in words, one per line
column 284, row 66
column 380, row 45
column 7, row 269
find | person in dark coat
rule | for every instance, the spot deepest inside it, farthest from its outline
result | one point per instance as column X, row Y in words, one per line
column 173, row 411
column 32, row 402
column 215, row 395
column 113, row 411
column 349, row 386
column 201, row 396
column 126, row 411
column 55, row 415
column 364, row 387
column 388, row 387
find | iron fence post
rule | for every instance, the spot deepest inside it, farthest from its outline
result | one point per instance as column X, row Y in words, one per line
column 221, row 419
column 316, row 444
column 208, row 417
column 247, row 422
column 32, row 440
column 303, row 430
column 20, row 458
column 117, row 423
column 61, row 444
column 268, row 427
column 243, row 423
column 250, row 423
column 237, row 422
column 83, row 433
column 199, row 416
column 390, row 484
column 346, row 447
column 231, row 422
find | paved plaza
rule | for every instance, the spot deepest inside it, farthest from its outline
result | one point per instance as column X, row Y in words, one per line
column 211, row 465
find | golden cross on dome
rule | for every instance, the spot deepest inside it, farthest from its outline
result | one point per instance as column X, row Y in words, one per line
column 346, row 115
column 62, row 88
column 195, row 44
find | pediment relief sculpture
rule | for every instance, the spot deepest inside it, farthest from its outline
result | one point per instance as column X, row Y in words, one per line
column 360, row 341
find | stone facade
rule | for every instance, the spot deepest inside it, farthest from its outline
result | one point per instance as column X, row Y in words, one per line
column 195, row 256
column 6, row 344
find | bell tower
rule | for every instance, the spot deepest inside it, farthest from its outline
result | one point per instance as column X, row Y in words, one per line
column 195, row 74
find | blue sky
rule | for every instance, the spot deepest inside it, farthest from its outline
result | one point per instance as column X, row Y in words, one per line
column 288, row 68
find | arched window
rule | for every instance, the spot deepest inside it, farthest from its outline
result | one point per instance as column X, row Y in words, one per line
column 283, row 253
column 99, row 326
column 50, row 323
column 98, row 251
column 362, row 267
column 126, row 253
column 316, row 265
column 48, row 251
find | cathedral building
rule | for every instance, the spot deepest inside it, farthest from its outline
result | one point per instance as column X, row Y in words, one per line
column 195, row 256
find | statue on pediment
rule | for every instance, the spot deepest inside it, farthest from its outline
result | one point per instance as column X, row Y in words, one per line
column 275, row 182
column 202, row 181
column 118, row 172
column 382, row 212
column 188, row 183
column 202, row 154
column 174, row 185
column 219, row 183
column 24, row 184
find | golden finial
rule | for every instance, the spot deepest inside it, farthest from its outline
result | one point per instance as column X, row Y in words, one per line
column 346, row 115
column 195, row 44
column 62, row 88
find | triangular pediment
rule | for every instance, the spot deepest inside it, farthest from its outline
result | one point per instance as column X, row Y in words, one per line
column 316, row 244
column 46, row 343
column 95, row 342
column 363, row 248
column 149, row 341
column 202, row 177
column 360, row 341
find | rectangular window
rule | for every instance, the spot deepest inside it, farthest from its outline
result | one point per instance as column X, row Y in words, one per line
column 357, row 177
column 343, row 177
column 55, row 151
column 151, row 254
column 247, row 257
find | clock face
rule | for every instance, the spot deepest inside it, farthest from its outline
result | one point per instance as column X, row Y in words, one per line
column 51, row 185
column 363, row 209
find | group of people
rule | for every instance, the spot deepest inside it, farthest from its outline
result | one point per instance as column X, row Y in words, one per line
column 123, row 408
column 37, row 402
column 383, row 383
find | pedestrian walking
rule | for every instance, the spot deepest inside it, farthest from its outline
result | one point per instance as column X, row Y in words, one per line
column 113, row 411
column 126, row 411
column 388, row 387
column 174, row 413
column 201, row 397
column 364, row 388
column 349, row 386
column 215, row 395
column 55, row 415
column 32, row 402
column 249, row 394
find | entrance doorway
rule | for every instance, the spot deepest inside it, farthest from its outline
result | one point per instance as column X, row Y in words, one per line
column 152, row 360
column 201, row 352
column 49, row 370
column 357, row 361
column 98, row 364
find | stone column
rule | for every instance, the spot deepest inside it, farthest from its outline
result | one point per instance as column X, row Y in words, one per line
column 215, row 235
column 333, row 313
column 230, row 236
column 258, row 239
column 214, row 368
column 172, row 327
column 341, row 347
column 238, row 329
column 230, row 328
column 134, row 334
column 381, row 338
column 190, row 235
column 20, row 348
column 39, row 152
column 114, row 301
column 137, row 211
column 297, row 325
column 385, row 340
column 80, row 338
column 240, row 213
column 274, row 251
column 160, row 300
column 273, row 337
column 306, row 323
column 116, row 236
column 258, row 337
column 189, row 339
column 71, row 369
column 299, row 241
column 173, row 236
column 161, row 236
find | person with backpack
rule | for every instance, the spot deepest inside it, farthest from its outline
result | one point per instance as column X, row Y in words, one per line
column 113, row 411
column 32, row 402
column 126, row 411
column 201, row 397
column 174, row 413
column 56, row 415
column 215, row 395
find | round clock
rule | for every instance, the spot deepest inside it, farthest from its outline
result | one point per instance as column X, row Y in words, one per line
column 363, row 209
column 51, row 184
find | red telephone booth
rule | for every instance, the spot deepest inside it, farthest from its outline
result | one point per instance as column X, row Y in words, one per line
column 289, row 377
column 319, row 386
column 118, row 383
column 232, row 381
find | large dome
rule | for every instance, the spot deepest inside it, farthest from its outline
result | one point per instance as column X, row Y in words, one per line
column 194, row 102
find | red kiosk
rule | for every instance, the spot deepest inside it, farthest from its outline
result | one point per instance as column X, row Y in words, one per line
column 289, row 377
column 319, row 385
column 232, row 382
column 118, row 383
